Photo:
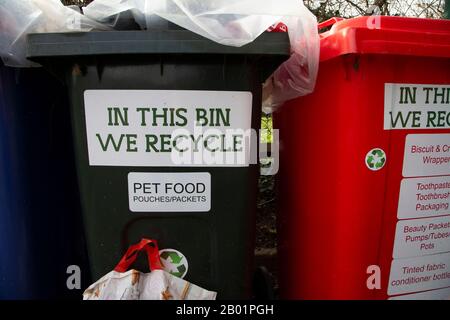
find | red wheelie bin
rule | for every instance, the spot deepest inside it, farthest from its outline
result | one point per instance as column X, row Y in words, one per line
column 365, row 166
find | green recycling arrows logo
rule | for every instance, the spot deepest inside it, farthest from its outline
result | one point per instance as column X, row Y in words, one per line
column 174, row 262
column 376, row 159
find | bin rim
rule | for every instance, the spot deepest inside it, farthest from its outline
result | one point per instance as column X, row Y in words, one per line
column 42, row 45
column 386, row 35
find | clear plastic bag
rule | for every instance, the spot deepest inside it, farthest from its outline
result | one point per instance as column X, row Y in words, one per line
column 234, row 23
column 18, row 18
column 297, row 76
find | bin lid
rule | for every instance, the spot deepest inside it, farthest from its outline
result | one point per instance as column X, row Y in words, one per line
column 387, row 35
column 40, row 45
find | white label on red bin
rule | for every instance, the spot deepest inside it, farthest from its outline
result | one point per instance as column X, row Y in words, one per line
column 427, row 155
column 168, row 128
column 416, row 106
column 424, row 197
column 169, row 192
column 440, row 294
column 413, row 275
column 418, row 237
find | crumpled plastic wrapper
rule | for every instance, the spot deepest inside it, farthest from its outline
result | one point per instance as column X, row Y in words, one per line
column 21, row 17
column 228, row 22
column 233, row 23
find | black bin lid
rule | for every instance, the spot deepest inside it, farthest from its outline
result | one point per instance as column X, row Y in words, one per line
column 45, row 45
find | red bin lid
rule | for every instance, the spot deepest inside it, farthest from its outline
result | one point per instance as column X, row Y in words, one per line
column 386, row 35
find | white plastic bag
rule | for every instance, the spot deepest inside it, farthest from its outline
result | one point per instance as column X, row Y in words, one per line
column 135, row 285
column 234, row 23
column 20, row 17
column 158, row 284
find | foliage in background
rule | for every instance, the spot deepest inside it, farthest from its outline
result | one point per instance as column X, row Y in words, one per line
column 447, row 9
column 325, row 9
column 266, row 129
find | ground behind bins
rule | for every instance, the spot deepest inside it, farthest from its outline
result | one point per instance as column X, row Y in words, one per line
column 266, row 232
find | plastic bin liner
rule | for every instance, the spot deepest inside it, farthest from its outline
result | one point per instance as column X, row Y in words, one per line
column 228, row 22
column 234, row 23
column 18, row 18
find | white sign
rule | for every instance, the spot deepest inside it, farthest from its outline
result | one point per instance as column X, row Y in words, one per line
column 442, row 294
column 427, row 155
column 168, row 128
column 420, row 237
column 416, row 106
column 419, row 274
column 424, row 197
column 169, row 192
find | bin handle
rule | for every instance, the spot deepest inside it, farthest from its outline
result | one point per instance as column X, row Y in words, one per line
column 150, row 247
column 329, row 22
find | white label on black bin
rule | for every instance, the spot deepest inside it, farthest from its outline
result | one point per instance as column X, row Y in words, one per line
column 169, row 192
column 169, row 128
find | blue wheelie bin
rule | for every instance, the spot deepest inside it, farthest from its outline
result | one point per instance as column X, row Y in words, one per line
column 40, row 227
